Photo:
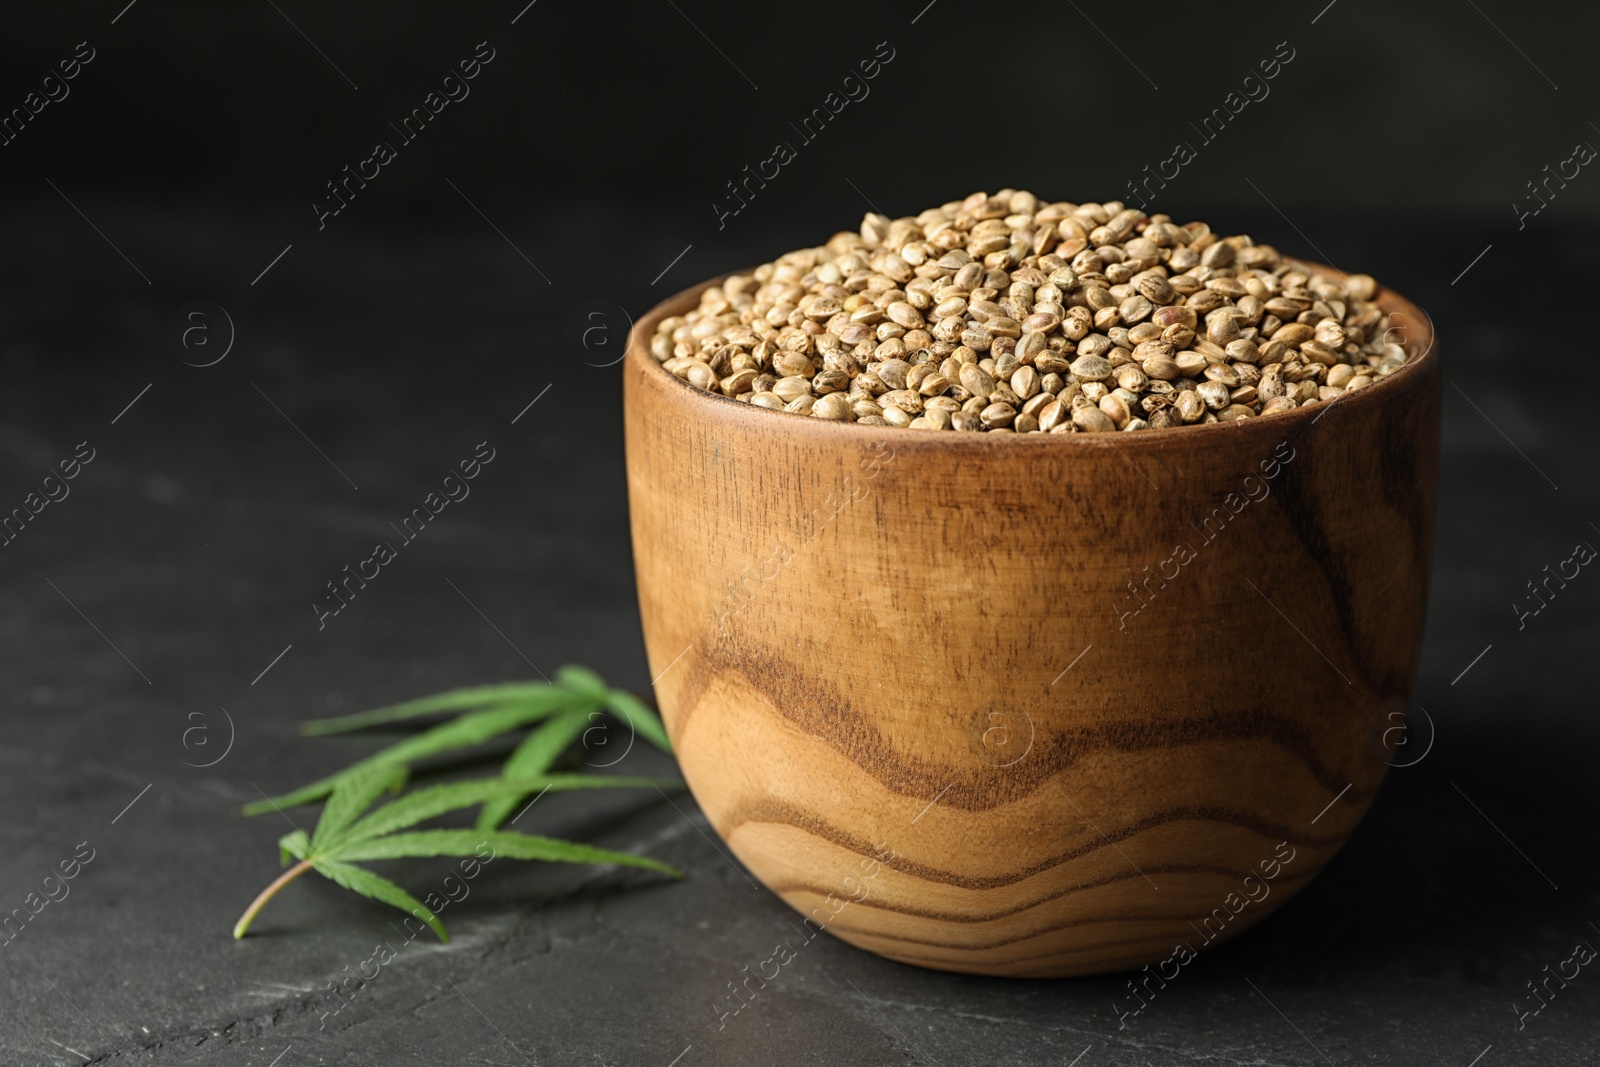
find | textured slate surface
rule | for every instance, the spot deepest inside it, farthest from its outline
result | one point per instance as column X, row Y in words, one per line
column 190, row 549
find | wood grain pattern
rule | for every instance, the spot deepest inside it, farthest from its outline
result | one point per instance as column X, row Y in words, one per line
column 913, row 689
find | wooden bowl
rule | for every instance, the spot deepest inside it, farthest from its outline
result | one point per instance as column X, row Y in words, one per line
column 1033, row 704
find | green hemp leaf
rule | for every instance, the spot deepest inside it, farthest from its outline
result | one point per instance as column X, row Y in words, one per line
column 501, row 709
column 350, row 830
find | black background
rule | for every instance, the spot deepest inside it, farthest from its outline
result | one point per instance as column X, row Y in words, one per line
column 580, row 174
column 1406, row 108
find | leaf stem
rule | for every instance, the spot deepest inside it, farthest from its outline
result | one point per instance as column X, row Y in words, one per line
column 267, row 894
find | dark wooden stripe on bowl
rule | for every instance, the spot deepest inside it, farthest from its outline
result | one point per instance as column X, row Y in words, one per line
column 817, row 708
column 785, row 889
column 767, row 810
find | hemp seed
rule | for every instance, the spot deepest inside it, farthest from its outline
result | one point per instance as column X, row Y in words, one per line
column 1008, row 314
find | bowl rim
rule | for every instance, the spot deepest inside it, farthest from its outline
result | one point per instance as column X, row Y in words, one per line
column 1413, row 373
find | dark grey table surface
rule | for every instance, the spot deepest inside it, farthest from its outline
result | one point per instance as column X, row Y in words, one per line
column 176, row 580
